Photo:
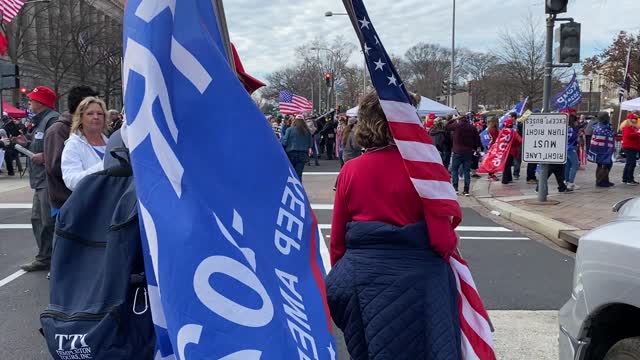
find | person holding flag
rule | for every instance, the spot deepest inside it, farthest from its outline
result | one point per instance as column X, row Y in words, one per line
column 397, row 275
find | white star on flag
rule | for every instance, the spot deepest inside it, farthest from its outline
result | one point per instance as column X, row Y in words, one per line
column 379, row 64
column 366, row 49
column 364, row 22
column 392, row 80
column 377, row 40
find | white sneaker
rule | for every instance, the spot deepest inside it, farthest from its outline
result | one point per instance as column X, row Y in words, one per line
column 575, row 187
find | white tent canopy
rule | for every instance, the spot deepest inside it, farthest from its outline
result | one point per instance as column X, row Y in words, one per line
column 631, row 105
column 426, row 106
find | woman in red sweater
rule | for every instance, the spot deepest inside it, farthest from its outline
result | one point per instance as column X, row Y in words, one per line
column 631, row 147
column 388, row 287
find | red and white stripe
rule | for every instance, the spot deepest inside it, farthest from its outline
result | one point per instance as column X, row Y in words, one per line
column 10, row 8
column 443, row 214
column 298, row 105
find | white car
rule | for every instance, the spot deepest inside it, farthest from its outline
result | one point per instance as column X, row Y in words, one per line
column 602, row 318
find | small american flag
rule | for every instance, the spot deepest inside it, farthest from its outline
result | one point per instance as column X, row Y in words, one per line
column 294, row 104
column 431, row 180
column 9, row 9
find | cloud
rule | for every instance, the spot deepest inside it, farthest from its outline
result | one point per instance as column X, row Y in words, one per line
column 267, row 32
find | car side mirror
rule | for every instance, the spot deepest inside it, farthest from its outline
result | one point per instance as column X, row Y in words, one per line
column 617, row 206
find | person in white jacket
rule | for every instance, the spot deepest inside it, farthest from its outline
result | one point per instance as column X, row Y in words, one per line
column 84, row 151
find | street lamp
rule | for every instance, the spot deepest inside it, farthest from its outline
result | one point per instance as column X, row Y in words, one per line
column 590, row 90
column 364, row 68
column 331, row 13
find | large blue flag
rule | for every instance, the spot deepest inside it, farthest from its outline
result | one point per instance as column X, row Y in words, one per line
column 518, row 109
column 231, row 243
column 569, row 97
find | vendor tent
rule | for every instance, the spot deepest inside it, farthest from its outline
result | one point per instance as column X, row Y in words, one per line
column 12, row 111
column 428, row 106
column 631, row 105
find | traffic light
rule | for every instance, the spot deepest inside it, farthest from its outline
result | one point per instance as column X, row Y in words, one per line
column 24, row 91
column 555, row 6
column 327, row 79
column 445, row 87
column 569, row 43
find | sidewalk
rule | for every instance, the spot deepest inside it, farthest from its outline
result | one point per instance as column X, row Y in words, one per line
column 568, row 216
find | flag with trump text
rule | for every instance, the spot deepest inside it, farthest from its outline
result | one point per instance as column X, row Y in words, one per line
column 430, row 178
column 231, row 245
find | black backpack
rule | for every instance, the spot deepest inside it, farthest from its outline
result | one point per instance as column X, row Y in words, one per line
column 99, row 307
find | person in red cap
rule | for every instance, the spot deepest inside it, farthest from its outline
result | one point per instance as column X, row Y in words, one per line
column 631, row 146
column 430, row 121
column 42, row 102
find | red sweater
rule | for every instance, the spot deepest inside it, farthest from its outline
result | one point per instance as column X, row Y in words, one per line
column 373, row 187
column 630, row 138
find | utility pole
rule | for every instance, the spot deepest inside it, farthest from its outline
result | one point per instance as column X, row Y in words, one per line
column 453, row 55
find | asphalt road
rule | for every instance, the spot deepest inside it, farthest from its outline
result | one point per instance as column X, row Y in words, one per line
column 513, row 272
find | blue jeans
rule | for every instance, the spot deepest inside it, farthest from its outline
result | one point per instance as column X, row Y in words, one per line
column 571, row 168
column 465, row 161
column 315, row 147
column 298, row 160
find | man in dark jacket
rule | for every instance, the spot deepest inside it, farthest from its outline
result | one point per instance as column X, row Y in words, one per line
column 466, row 141
column 13, row 130
column 42, row 102
column 329, row 135
column 54, row 140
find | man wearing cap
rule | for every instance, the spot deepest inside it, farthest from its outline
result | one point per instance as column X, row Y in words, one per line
column 42, row 101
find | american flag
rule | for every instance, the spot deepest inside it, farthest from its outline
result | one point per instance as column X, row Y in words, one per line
column 9, row 9
column 293, row 104
column 431, row 180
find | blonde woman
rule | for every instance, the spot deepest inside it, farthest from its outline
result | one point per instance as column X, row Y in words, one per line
column 84, row 151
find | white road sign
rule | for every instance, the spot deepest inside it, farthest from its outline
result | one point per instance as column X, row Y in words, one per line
column 545, row 139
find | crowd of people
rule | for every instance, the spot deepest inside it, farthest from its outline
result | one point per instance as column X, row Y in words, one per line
column 307, row 138
column 61, row 150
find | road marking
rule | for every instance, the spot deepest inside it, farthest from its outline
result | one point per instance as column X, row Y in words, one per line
column 14, row 226
column 491, row 238
column 16, row 206
column 320, row 173
column 483, row 228
column 322, row 206
column 12, row 277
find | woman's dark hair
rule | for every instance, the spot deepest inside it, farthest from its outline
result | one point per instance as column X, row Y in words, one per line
column 300, row 126
column 573, row 120
column 513, row 115
column 372, row 129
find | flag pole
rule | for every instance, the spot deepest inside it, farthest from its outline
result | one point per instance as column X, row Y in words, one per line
column 624, row 81
column 218, row 7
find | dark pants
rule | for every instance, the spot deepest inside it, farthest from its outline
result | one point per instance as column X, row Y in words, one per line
column 630, row 166
column 9, row 157
column 331, row 148
column 42, row 224
column 531, row 171
column 507, row 176
column 602, row 175
column 446, row 158
column 517, row 164
column 464, row 161
column 298, row 160
column 475, row 162
column 558, row 171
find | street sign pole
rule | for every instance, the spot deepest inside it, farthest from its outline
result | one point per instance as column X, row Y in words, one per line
column 543, row 188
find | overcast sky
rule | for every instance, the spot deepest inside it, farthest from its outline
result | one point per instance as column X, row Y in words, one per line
column 266, row 32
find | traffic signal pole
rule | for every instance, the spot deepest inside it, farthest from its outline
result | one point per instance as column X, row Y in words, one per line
column 543, row 186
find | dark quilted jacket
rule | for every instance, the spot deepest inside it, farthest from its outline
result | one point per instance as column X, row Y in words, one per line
column 393, row 296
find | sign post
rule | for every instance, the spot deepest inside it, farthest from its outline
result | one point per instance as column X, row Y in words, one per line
column 544, row 141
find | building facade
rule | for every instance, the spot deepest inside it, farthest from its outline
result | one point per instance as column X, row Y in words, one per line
column 65, row 43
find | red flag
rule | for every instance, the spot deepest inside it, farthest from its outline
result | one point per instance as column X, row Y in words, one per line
column 496, row 158
column 3, row 44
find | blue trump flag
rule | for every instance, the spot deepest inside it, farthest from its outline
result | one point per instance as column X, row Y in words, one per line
column 518, row 109
column 570, row 96
column 231, row 244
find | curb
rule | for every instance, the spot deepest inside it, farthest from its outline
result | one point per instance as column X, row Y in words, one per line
column 559, row 233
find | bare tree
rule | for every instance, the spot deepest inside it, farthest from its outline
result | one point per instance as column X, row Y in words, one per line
column 521, row 54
